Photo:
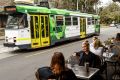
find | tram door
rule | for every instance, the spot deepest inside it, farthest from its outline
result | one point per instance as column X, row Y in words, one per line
column 82, row 27
column 39, row 31
column 44, row 31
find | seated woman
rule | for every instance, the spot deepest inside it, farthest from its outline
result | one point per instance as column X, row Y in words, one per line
column 57, row 69
column 96, row 47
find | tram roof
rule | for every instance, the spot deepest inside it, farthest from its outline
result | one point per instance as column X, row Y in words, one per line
column 59, row 11
column 36, row 9
column 32, row 9
column 96, row 16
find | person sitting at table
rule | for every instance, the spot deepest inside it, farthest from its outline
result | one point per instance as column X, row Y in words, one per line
column 74, row 58
column 94, row 39
column 59, row 70
column 115, row 48
column 96, row 48
column 87, row 56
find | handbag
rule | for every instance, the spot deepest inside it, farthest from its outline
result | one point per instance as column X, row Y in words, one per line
column 44, row 73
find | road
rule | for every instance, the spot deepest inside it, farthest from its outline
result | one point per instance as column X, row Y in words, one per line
column 21, row 65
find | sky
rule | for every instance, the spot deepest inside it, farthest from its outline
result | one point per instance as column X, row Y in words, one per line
column 105, row 2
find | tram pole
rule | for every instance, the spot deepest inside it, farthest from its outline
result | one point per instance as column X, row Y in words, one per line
column 77, row 5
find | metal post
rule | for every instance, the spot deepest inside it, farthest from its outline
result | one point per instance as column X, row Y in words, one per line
column 77, row 4
column 85, row 5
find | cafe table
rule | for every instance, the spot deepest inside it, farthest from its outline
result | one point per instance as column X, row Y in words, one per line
column 81, row 73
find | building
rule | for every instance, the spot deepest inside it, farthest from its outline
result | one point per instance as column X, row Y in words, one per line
column 3, row 16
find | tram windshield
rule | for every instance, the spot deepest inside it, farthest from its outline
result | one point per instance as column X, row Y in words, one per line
column 16, row 21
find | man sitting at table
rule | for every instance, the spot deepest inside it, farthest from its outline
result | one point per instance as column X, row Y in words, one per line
column 87, row 56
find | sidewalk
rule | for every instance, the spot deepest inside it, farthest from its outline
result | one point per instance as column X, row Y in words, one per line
column 2, row 37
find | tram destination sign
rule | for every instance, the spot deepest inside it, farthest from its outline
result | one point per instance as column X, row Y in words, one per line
column 10, row 9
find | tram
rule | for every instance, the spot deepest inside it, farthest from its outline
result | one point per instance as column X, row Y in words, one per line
column 30, row 27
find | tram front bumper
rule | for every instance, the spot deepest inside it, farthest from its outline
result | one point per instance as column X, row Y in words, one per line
column 9, row 44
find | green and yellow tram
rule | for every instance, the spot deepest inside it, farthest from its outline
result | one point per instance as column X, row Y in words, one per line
column 34, row 27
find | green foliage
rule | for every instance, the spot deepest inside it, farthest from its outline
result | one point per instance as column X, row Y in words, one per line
column 116, row 0
column 110, row 13
column 84, row 5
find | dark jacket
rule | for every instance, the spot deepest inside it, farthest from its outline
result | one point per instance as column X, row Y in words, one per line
column 93, row 59
column 46, row 73
column 67, row 74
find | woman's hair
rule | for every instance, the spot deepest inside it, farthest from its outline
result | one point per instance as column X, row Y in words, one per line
column 59, row 60
column 95, row 38
column 97, row 44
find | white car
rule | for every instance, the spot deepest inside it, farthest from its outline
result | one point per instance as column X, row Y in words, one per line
column 112, row 25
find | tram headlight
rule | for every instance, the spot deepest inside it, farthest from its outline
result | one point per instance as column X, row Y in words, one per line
column 6, row 38
column 14, row 38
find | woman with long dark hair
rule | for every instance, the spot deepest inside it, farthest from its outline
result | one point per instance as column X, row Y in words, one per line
column 57, row 69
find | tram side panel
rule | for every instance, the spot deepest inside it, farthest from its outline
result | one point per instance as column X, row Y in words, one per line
column 64, row 28
column 57, row 28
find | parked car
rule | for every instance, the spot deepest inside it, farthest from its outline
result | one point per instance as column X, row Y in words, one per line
column 118, row 25
column 112, row 25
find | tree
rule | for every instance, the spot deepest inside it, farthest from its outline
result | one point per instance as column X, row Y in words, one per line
column 110, row 13
column 84, row 5
column 116, row 0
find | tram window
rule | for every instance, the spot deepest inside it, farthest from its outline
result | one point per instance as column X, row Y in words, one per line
column 59, row 20
column 81, row 24
column 67, row 20
column 26, row 21
column 51, row 15
column 75, row 21
column 36, row 27
column 89, row 20
column 84, row 24
column 16, row 21
column 93, row 21
column 23, row 23
column 42, row 26
column 47, row 29
column 32, row 27
column 59, row 23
